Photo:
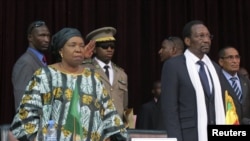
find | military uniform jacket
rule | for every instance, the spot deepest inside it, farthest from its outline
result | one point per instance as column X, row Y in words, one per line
column 119, row 90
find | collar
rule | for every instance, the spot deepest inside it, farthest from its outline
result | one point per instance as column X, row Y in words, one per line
column 37, row 53
column 103, row 64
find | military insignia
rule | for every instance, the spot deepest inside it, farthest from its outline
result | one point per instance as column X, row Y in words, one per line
column 122, row 81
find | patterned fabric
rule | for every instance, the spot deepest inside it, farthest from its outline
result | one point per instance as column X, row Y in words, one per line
column 48, row 97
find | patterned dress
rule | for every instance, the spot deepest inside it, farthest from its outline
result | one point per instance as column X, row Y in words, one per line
column 48, row 97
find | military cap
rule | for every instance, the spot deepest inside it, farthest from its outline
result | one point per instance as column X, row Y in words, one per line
column 102, row 34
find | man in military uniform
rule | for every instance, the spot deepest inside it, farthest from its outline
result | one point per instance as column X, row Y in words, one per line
column 113, row 77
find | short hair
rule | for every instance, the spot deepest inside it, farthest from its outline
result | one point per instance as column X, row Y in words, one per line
column 222, row 51
column 186, row 32
column 35, row 24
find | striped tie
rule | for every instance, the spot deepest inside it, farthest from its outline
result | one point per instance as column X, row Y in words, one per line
column 236, row 88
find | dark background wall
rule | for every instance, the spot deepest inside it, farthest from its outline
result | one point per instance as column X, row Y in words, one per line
column 141, row 26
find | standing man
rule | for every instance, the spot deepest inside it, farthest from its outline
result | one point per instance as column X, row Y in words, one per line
column 147, row 117
column 171, row 47
column 229, row 60
column 189, row 103
column 113, row 77
column 38, row 36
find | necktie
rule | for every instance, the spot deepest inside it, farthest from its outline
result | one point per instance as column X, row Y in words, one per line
column 204, row 78
column 236, row 88
column 106, row 70
column 44, row 60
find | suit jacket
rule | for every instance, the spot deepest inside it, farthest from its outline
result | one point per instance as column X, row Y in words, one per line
column 22, row 72
column 119, row 90
column 178, row 100
column 148, row 116
column 242, row 109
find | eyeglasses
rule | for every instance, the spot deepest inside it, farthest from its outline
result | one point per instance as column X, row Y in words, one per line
column 231, row 57
column 35, row 25
column 203, row 36
column 106, row 45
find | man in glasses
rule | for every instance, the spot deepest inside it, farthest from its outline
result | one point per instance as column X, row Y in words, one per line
column 236, row 84
column 38, row 36
column 113, row 77
column 170, row 47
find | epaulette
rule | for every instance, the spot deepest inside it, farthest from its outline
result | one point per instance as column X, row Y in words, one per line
column 117, row 67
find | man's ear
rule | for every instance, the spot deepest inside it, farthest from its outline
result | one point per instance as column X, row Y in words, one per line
column 29, row 37
column 220, row 62
column 174, row 50
column 187, row 41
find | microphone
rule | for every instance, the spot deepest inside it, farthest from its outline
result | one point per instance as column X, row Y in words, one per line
column 246, row 121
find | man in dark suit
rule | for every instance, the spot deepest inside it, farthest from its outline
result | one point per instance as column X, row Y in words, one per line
column 38, row 36
column 148, row 114
column 187, row 104
column 229, row 60
column 115, row 80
